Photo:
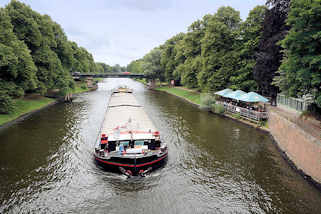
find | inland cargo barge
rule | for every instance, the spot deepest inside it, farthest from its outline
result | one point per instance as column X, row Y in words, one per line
column 129, row 142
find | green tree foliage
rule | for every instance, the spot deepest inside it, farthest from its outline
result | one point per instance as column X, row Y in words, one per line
column 135, row 66
column 300, row 70
column 222, row 51
column 83, row 60
column 217, row 49
column 6, row 103
column 107, row 68
column 192, row 49
column 247, row 45
column 16, row 64
column 100, row 67
column 117, row 68
column 190, row 71
column 152, row 65
column 169, row 52
column 35, row 55
column 42, row 37
column 269, row 54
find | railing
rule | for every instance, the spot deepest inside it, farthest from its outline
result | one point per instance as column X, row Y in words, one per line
column 244, row 112
column 106, row 75
column 294, row 103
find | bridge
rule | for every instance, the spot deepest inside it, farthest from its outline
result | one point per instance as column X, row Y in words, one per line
column 77, row 75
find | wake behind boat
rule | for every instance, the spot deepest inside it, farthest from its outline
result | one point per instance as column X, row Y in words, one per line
column 129, row 142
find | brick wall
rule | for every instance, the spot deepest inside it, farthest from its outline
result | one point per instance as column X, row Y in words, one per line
column 301, row 147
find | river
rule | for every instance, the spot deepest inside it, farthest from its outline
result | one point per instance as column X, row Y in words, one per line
column 215, row 165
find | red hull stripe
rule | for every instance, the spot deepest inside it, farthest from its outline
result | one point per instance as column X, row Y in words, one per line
column 138, row 165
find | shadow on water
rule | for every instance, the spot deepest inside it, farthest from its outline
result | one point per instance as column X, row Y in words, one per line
column 215, row 165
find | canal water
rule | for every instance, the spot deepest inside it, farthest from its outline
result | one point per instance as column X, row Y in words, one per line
column 216, row 165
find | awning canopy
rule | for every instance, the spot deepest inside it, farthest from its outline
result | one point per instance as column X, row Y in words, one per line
column 235, row 94
column 253, row 97
column 224, row 92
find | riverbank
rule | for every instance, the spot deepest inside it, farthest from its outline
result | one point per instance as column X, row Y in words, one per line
column 191, row 96
column 82, row 88
column 32, row 103
column 25, row 106
column 299, row 148
column 194, row 97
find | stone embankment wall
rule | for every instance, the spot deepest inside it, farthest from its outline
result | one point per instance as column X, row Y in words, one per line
column 303, row 149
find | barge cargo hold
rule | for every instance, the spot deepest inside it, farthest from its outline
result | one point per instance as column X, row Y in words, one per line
column 129, row 142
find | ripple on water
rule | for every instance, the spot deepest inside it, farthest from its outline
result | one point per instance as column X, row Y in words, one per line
column 215, row 165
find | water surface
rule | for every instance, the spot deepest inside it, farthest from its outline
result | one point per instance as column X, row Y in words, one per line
column 216, row 165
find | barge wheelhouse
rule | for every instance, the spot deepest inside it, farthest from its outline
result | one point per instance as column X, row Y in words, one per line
column 129, row 142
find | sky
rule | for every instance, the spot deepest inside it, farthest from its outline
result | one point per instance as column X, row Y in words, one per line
column 119, row 31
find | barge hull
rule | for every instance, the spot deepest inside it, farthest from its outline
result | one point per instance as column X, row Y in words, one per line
column 129, row 140
column 114, row 166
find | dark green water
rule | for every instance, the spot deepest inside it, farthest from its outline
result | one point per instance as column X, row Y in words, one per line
column 215, row 165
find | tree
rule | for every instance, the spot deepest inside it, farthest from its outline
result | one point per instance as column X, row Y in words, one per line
column 169, row 52
column 269, row 54
column 191, row 69
column 116, row 68
column 152, row 65
column 82, row 60
column 16, row 63
column 247, row 45
column 135, row 66
column 44, row 38
column 99, row 67
column 53, row 57
column 218, row 43
column 192, row 49
column 107, row 68
column 63, row 48
column 300, row 70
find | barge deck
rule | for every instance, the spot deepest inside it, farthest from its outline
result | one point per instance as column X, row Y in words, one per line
column 129, row 141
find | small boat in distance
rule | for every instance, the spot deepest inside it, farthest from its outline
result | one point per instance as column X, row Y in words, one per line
column 129, row 143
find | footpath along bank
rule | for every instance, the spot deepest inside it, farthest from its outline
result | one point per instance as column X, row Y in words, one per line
column 298, row 146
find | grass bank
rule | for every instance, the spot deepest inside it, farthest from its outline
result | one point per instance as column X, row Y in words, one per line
column 141, row 81
column 24, row 106
column 35, row 102
column 80, row 88
column 191, row 96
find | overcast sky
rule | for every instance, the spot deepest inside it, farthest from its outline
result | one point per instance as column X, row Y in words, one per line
column 119, row 31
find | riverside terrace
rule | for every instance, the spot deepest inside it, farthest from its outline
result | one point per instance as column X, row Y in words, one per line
column 244, row 104
column 248, row 113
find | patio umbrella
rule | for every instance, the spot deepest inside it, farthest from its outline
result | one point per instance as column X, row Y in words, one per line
column 235, row 94
column 253, row 97
column 223, row 92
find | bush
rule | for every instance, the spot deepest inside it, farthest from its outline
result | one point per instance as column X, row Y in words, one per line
column 6, row 103
column 11, row 89
column 42, row 89
column 262, row 123
column 218, row 108
column 84, row 86
column 207, row 101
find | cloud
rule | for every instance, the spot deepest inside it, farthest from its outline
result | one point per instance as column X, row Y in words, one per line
column 119, row 31
column 147, row 5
